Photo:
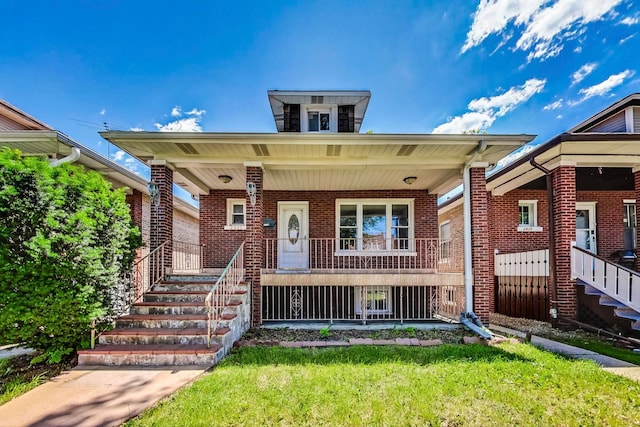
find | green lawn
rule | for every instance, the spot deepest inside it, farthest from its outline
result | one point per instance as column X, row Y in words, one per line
column 450, row 385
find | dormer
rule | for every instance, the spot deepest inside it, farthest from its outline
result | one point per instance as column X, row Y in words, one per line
column 620, row 117
column 319, row 111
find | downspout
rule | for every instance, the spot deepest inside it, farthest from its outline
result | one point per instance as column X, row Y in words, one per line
column 71, row 158
column 468, row 317
column 553, row 311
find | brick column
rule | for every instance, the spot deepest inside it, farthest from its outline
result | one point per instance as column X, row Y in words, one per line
column 564, row 228
column 134, row 201
column 253, row 245
column 162, row 215
column 482, row 256
column 636, row 178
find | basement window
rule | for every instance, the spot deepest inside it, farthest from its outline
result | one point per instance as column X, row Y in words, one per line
column 236, row 214
column 528, row 215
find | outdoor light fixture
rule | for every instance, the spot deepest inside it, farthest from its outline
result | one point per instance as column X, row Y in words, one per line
column 225, row 179
column 268, row 223
column 251, row 191
column 410, row 180
column 154, row 193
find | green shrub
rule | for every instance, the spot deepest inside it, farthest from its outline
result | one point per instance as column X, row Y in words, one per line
column 65, row 239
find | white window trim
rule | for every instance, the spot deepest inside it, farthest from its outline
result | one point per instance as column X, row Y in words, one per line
column 230, row 225
column 440, row 258
column 534, row 215
column 332, row 109
column 358, row 300
column 388, row 202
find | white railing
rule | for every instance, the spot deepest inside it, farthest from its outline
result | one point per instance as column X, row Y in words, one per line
column 361, row 303
column 396, row 255
column 187, row 257
column 223, row 291
column 616, row 281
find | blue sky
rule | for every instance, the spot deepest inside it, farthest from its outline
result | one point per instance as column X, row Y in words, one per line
column 504, row 66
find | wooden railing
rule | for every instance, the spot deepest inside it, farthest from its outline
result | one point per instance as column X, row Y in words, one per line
column 616, row 281
column 223, row 291
column 394, row 255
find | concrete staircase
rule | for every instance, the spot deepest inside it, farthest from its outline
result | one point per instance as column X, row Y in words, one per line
column 169, row 327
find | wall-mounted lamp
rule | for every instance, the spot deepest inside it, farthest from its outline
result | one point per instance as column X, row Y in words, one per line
column 268, row 223
column 154, row 193
column 410, row 180
column 251, row 191
column 225, row 179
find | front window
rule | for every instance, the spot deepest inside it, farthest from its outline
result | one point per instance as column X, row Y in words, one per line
column 375, row 225
column 373, row 299
column 236, row 214
column 445, row 240
column 319, row 121
column 629, row 222
column 528, row 215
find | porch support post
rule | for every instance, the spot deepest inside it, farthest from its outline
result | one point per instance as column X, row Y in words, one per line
column 564, row 228
column 636, row 178
column 253, row 246
column 161, row 223
column 134, row 200
column 481, row 253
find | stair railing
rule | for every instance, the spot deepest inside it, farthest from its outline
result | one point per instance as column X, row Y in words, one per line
column 616, row 281
column 223, row 291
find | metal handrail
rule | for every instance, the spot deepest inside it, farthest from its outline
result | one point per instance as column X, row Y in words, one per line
column 223, row 290
column 187, row 256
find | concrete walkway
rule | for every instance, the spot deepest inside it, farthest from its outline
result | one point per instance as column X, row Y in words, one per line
column 95, row 396
column 615, row 366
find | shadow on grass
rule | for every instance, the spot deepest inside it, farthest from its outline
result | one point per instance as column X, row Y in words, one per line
column 368, row 355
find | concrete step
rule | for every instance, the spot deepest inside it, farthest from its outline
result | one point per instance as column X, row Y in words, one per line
column 180, row 286
column 590, row 290
column 210, row 278
column 174, row 296
column 173, row 321
column 610, row 302
column 151, row 355
column 169, row 308
column 146, row 336
column 627, row 313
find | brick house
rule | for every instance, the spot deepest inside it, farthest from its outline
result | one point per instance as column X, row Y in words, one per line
column 336, row 225
column 21, row 131
column 564, row 215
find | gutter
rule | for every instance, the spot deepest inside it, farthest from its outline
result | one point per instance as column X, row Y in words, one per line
column 71, row 158
column 468, row 317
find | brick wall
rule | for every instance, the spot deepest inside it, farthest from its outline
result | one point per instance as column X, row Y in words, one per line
column 482, row 252
column 185, row 227
column 162, row 215
column 220, row 244
column 253, row 247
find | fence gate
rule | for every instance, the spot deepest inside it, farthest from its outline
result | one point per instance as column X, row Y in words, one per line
column 522, row 284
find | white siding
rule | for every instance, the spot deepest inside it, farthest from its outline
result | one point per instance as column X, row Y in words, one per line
column 613, row 124
column 636, row 119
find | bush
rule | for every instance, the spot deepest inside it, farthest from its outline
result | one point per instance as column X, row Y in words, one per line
column 65, row 239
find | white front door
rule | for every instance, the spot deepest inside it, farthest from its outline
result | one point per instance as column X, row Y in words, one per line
column 293, row 235
column 586, row 226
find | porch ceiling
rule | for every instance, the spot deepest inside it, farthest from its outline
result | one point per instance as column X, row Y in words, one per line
column 580, row 149
column 315, row 161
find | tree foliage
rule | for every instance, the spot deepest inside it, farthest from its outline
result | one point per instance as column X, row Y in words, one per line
column 66, row 238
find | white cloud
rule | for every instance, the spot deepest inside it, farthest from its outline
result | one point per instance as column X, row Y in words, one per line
column 183, row 125
column 176, row 111
column 545, row 26
column 603, row 88
column 103, row 111
column 630, row 21
column 118, row 155
column 554, row 105
column 583, row 72
column 484, row 111
column 559, row 116
column 136, row 129
column 196, row 112
column 626, row 39
column 515, row 155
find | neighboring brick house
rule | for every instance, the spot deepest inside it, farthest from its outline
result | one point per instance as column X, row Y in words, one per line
column 336, row 225
column 595, row 187
column 32, row 137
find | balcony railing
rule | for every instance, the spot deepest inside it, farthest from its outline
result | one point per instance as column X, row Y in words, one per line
column 390, row 255
column 361, row 303
column 187, row 257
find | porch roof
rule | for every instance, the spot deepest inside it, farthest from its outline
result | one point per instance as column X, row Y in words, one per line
column 315, row 162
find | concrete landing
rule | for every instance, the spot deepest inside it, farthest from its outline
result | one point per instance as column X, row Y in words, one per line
column 95, row 396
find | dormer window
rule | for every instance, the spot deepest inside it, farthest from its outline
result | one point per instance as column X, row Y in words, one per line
column 319, row 121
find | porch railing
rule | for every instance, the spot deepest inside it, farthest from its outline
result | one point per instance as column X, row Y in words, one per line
column 522, row 284
column 223, row 290
column 616, row 281
column 396, row 255
column 187, row 256
column 362, row 303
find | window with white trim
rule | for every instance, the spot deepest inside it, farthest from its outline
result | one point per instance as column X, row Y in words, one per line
column 236, row 214
column 629, row 223
column 319, row 118
column 374, row 225
column 528, row 215
column 445, row 240
column 377, row 300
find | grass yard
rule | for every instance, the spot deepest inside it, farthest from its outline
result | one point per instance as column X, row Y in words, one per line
column 451, row 385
